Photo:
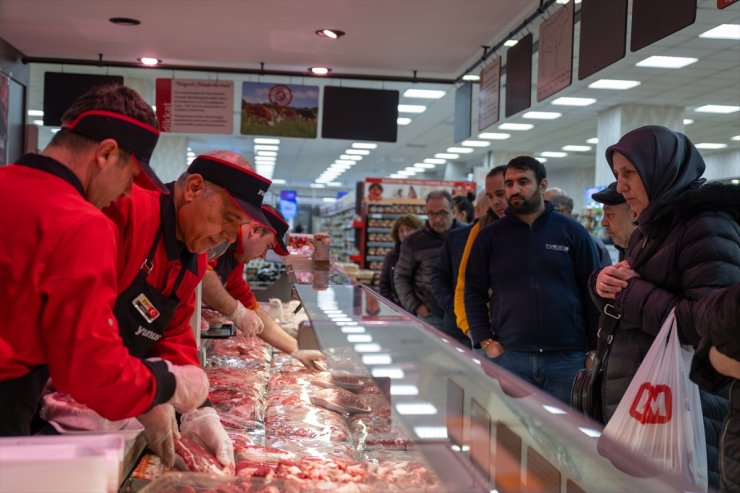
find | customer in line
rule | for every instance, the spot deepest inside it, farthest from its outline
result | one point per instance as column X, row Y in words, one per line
column 418, row 259
column 402, row 227
column 536, row 263
column 687, row 244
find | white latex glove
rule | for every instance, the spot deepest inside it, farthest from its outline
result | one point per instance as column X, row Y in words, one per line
column 191, row 389
column 311, row 359
column 160, row 430
column 204, row 426
column 247, row 320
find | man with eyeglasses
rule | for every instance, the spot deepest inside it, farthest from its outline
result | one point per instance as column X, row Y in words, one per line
column 418, row 259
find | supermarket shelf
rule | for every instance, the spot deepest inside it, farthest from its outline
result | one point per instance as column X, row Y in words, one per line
column 375, row 258
column 378, row 230
column 380, row 244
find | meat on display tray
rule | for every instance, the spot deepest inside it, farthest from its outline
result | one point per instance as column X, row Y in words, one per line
column 300, row 430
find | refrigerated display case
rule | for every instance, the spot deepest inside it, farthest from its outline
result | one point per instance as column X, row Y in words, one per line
column 423, row 413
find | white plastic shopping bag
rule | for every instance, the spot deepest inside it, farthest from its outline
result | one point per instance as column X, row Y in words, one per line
column 660, row 415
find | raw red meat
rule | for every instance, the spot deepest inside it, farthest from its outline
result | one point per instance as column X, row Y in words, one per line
column 339, row 400
column 197, row 458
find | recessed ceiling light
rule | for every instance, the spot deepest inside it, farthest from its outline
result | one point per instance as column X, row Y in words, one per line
column 553, row 154
column 319, row 70
column 688, row 121
column 334, row 184
column 673, row 62
column 352, row 157
column 425, row 165
column 576, row 148
column 403, row 121
column 411, row 108
column 432, row 160
column 737, row 137
column 510, row 42
column 460, row 150
column 447, row 155
column 403, row 172
column 494, row 136
column 475, row 143
column 541, row 115
column 723, row 31
column 710, row 145
column 416, row 408
column 717, row 108
column 412, row 168
column 54, row 130
column 541, row 159
column 423, row 93
column 267, row 153
column 397, row 176
column 347, row 162
column 266, row 147
column 317, row 185
column 330, row 33
column 278, row 181
column 260, row 140
column 265, row 159
column 735, row 182
column 35, row 113
column 124, row 21
column 38, row 122
column 567, row 101
column 516, row 126
column 358, row 152
column 364, row 145
column 471, row 77
column 150, row 61
column 620, row 85
column 593, row 140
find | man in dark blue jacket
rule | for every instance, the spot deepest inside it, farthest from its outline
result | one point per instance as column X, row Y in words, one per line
column 537, row 263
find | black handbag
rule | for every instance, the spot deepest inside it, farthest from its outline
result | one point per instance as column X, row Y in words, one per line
column 585, row 395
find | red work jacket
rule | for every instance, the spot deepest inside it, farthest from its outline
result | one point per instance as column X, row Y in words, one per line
column 139, row 218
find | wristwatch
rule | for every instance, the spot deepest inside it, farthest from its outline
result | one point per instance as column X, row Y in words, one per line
column 485, row 343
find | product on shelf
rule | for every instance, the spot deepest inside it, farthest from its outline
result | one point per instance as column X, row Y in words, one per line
column 197, row 459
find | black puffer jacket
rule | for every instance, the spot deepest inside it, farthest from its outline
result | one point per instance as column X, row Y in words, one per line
column 386, row 286
column 687, row 244
column 413, row 276
column 716, row 318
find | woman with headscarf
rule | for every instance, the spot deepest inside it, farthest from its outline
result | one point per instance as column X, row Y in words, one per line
column 686, row 245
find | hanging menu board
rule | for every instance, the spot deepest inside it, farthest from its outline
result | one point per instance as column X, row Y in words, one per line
column 653, row 20
column 195, row 106
column 603, row 35
column 488, row 96
column 463, row 111
column 519, row 76
column 555, row 65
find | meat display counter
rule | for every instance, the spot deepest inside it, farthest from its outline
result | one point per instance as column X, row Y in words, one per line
column 480, row 428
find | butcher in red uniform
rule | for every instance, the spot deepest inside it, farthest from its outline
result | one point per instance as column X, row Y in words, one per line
column 226, row 290
column 58, row 269
column 161, row 259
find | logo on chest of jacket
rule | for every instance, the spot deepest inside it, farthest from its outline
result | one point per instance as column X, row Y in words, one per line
column 149, row 334
column 557, row 248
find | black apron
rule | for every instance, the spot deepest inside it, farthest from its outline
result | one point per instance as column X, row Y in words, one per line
column 20, row 397
column 143, row 312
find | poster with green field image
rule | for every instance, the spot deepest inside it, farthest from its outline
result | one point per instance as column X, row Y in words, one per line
column 286, row 110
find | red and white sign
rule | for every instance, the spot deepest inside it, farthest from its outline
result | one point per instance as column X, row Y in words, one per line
column 409, row 190
column 195, row 106
column 653, row 404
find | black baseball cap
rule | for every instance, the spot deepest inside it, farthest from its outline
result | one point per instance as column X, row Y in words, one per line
column 279, row 227
column 609, row 195
column 132, row 135
column 246, row 187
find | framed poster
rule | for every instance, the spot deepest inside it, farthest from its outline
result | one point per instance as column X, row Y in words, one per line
column 287, row 110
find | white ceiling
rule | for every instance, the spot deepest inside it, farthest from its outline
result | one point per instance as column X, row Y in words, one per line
column 385, row 38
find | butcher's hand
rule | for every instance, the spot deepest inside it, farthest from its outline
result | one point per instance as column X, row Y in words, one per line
column 160, row 430
column 613, row 279
column 311, row 359
column 204, row 426
column 247, row 320
column 191, row 389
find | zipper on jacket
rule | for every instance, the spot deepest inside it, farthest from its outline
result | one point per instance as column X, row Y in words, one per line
column 533, row 277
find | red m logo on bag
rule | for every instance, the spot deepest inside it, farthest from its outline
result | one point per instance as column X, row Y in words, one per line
column 652, row 404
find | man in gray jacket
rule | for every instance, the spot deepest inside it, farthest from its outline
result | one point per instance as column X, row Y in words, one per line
column 418, row 258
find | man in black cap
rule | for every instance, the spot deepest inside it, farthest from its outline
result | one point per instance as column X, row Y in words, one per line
column 226, row 290
column 163, row 240
column 58, row 265
column 618, row 218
